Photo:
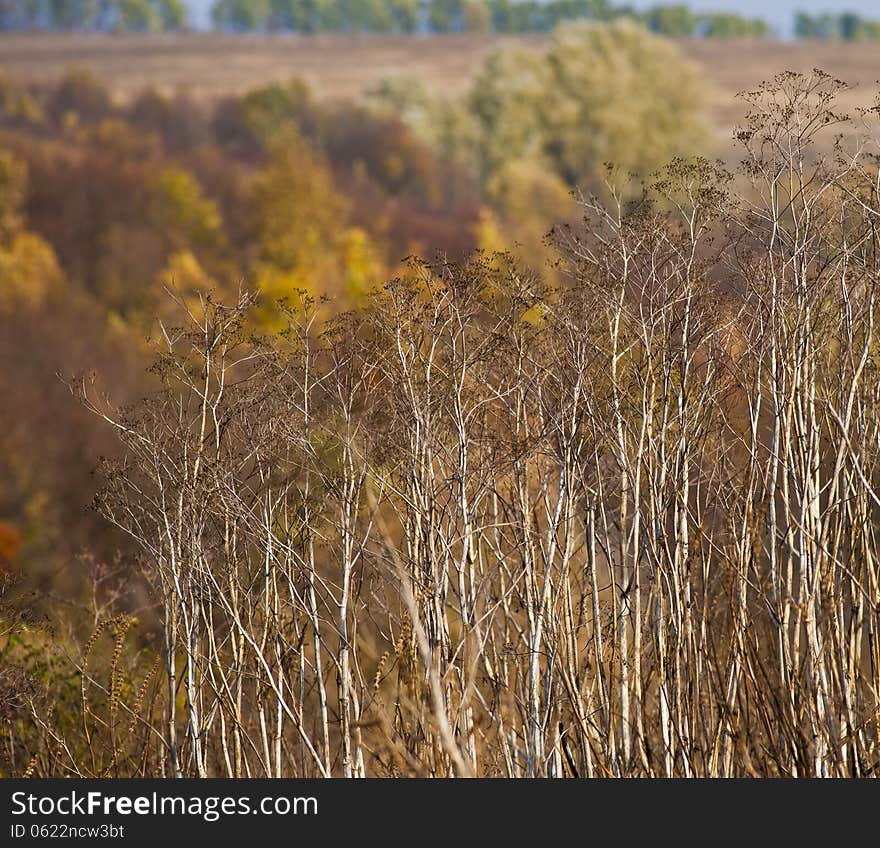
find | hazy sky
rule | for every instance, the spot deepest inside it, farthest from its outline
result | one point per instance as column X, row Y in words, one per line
column 199, row 11
column 777, row 12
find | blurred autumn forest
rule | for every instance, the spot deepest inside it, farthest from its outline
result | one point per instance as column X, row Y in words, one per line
column 105, row 206
column 509, row 433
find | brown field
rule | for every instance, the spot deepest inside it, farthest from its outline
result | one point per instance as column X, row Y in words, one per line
column 344, row 66
column 212, row 65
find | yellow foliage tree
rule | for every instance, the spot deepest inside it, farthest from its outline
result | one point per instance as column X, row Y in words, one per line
column 489, row 232
column 188, row 217
column 361, row 265
column 13, row 189
column 184, row 276
column 28, row 266
column 527, row 199
column 28, row 271
column 17, row 104
column 298, row 209
column 304, row 238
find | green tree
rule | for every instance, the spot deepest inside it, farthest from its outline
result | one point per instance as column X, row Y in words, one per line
column 511, row 16
column 137, row 16
column 617, row 93
column 283, row 14
column 824, row 26
column 241, row 15
column 868, row 31
column 72, row 14
column 506, row 101
column 602, row 92
column 445, row 15
column 847, row 25
column 724, row 25
column 476, row 16
column 676, row 20
column 172, row 14
column 804, row 26
column 405, row 14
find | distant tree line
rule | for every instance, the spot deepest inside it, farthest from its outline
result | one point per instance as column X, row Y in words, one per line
column 444, row 16
column 411, row 16
column 360, row 16
column 846, row 26
column 681, row 20
column 93, row 15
